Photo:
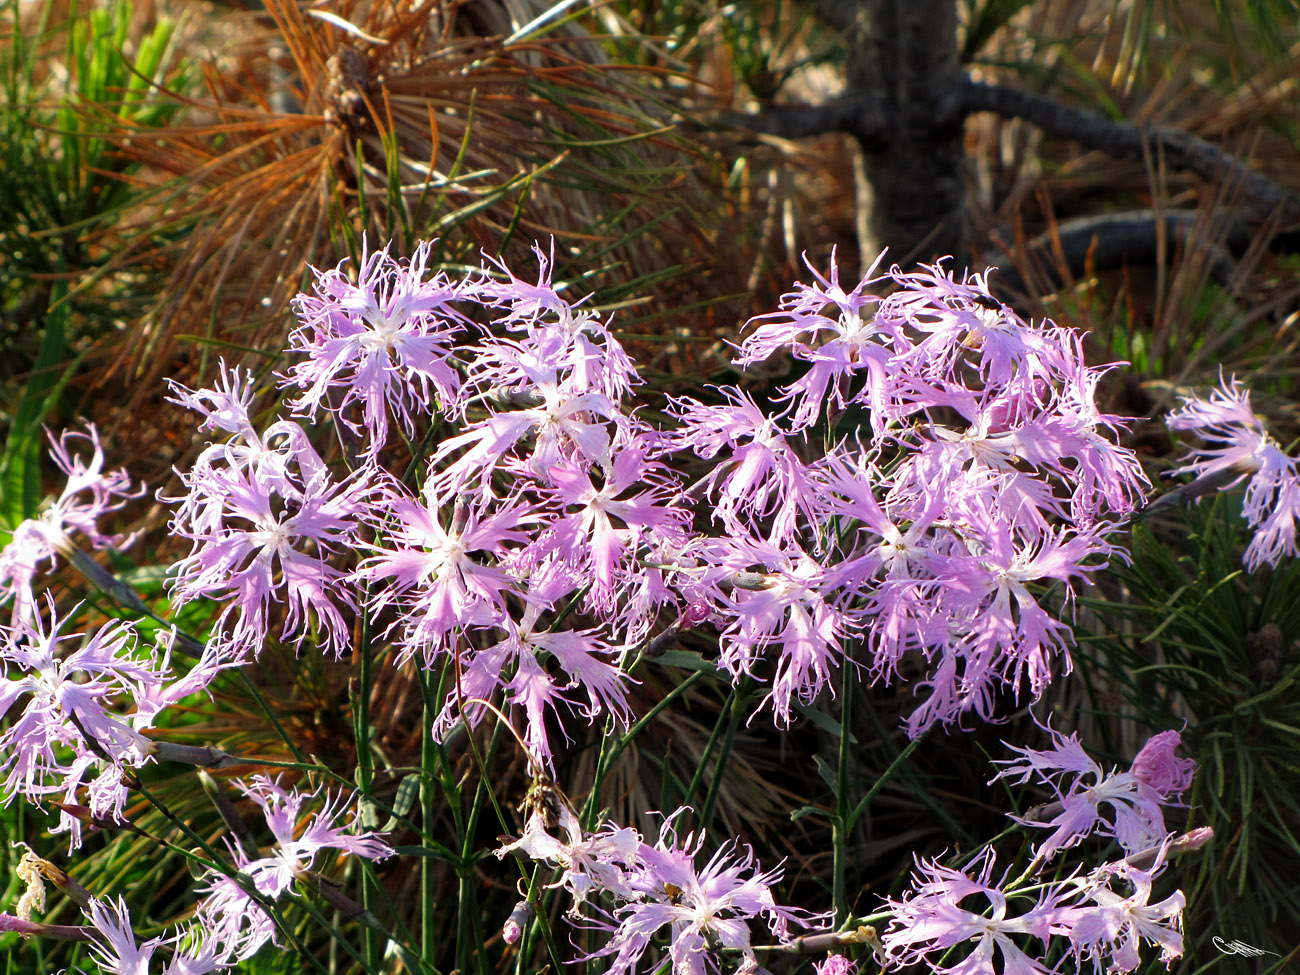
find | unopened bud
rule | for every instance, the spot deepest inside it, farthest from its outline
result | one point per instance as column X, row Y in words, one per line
column 692, row 616
column 755, row 581
column 102, row 822
column 60, row 932
column 695, row 614
column 459, row 515
column 200, row 756
column 513, row 929
column 1192, row 840
column 664, row 642
column 1188, row 842
column 1201, row 486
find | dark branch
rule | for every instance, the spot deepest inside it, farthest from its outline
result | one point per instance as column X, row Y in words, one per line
column 859, row 116
column 1101, row 243
column 1262, row 198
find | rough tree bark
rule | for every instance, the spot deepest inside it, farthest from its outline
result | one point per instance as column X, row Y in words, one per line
column 903, row 55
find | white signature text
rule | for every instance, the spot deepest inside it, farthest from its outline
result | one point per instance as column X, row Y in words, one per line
column 1240, row 948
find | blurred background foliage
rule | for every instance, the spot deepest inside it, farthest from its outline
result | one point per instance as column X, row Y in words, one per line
column 171, row 167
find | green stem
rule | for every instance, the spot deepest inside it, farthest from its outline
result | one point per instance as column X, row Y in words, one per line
column 269, row 714
column 370, row 946
column 468, row 893
column 609, row 752
column 739, row 704
column 698, row 777
column 881, row 781
column 430, row 754
column 541, row 922
column 842, row 823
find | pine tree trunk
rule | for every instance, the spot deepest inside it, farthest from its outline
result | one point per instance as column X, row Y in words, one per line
column 911, row 186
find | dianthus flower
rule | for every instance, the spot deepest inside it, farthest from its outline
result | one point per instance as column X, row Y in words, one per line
column 527, row 304
column 1083, row 790
column 988, row 585
column 232, row 914
column 786, row 606
column 589, row 862
column 299, row 838
column 1157, row 766
column 946, row 908
column 763, row 477
column 835, row 331
column 280, row 457
column 1272, row 502
column 552, row 394
column 442, row 578
column 67, row 724
column 601, row 518
column 258, row 540
column 835, row 965
column 564, row 424
column 77, row 706
column 116, row 952
column 575, row 340
column 1111, row 931
column 88, row 494
column 705, row 910
column 514, row 665
column 382, row 344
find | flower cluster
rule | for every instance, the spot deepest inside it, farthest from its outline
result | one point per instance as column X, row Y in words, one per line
column 969, row 466
column 657, row 886
column 551, row 491
column 1097, row 922
column 978, row 469
column 1245, row 450
column 1102, row 917
column 936, row 466
column 979, row 472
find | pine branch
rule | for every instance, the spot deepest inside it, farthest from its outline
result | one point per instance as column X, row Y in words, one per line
column 1262, row 199
column 1092, row 244
column 861, row 116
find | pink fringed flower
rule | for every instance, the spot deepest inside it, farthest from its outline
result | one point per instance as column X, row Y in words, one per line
column 1272, row 502
column 1157, row 765
column 382, row 345
column 260, row 538
column 88, row 494
column 1125, row 805
column 705, row 909
column 946, row 908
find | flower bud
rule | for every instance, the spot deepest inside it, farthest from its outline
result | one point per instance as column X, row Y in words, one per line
column 513, row 929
